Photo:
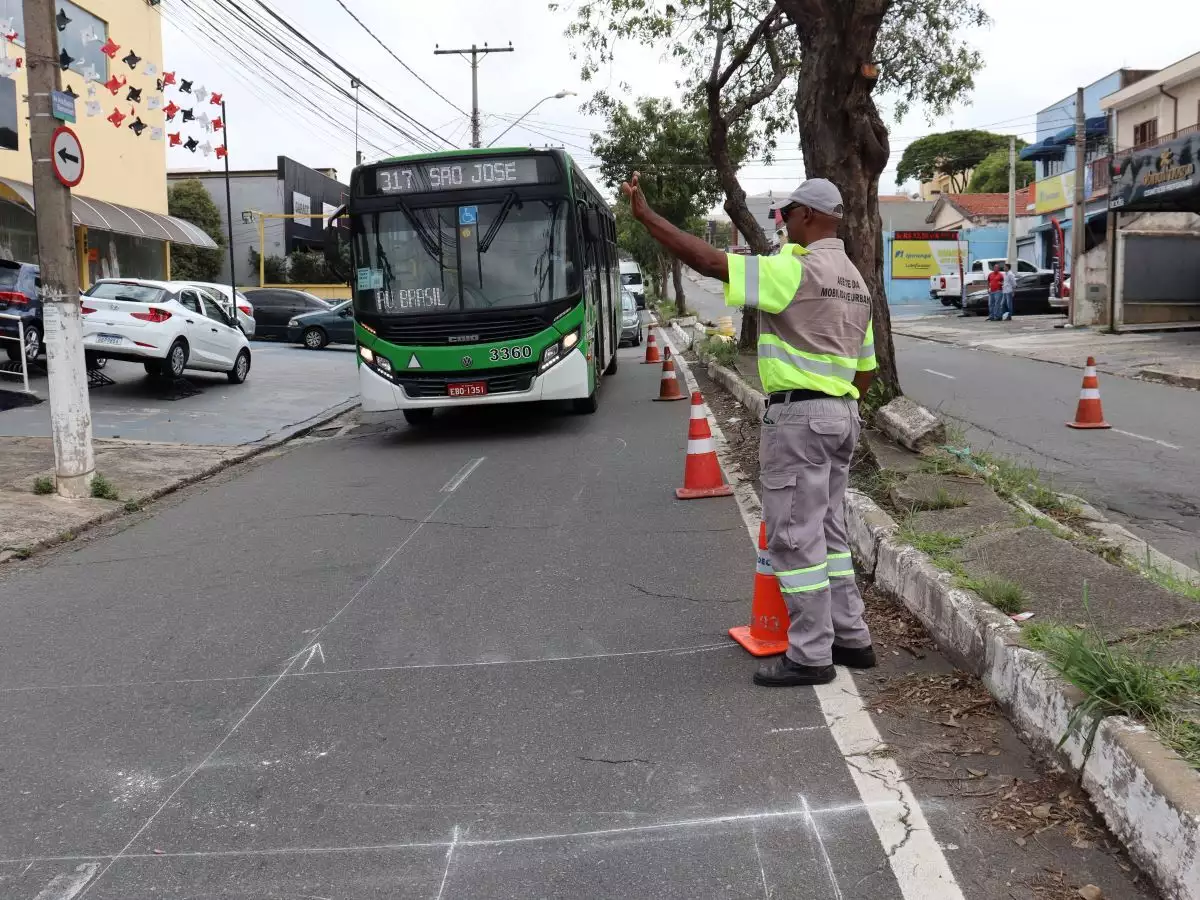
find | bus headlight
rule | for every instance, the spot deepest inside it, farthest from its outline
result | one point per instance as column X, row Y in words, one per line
column 383, row 364
column 367, row 354
column 556, row 351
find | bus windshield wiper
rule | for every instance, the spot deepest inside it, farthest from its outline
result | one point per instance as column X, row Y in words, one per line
column 432, row 246
column 499, row 220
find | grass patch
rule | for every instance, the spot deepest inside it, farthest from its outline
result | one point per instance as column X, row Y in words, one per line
column 43, row 484
column 23, row 552
column 943, row 499
column 1167, row 698
column 1166, row 579
column 132, row 506
column 1007, row 596
column 937, row 545
column 878, row 394
column 103, row 489
column 725, row 353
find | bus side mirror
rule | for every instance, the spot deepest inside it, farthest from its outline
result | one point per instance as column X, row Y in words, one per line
column 333, row 245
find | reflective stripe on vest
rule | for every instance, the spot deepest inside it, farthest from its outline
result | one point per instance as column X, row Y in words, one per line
column 833, row 375
column 752, row 282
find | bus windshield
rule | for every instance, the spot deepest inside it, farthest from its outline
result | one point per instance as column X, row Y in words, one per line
column 507, row 253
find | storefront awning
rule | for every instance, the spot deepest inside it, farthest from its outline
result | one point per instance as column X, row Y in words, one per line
column 1096, row 126
column 105, row 216
column 1046, row 149
column 1066, row 222
column 1158, row 179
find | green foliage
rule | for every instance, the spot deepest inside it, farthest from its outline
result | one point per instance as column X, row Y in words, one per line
column 1167, row 579
column 310, row 267
column 991, row 175
column 102, row 488
column 275, row 268
column 190, row 200
column 43, row 485
column 132, row 506
column 723, row 352
column 1007, row 596
column 949, row 153
column 1118, row 683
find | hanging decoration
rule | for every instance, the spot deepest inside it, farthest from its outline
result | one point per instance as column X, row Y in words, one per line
column 70, row 92
column 200, row 94
column 89, row 36
column 174, row 140
column 6, row 28
column 216, row 99
column 154, row 102
column 191, row 144
column 206, row 148
column 116, row 117
column 94, row 108
column 156, row 133
column 187, row 115
column 185, row 86
column 204, row 122
column 171, row 109
column 221, row 152
column 8, row 66
column 62, row 20
column 110, row 49
column 168, row 78
column 217, row 124
column 90, row 73
column 114, row 85
column 151, row 70
column 64, row 60
column 137, row 126
column 134, row 95
column 91, row 90
column 131, row 59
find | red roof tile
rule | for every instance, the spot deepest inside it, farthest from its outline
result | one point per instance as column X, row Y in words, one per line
column 991, row 206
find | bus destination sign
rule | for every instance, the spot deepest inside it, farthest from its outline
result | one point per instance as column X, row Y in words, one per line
column 459, row 175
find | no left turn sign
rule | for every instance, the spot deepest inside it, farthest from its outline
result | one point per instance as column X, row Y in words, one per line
column 66, row 154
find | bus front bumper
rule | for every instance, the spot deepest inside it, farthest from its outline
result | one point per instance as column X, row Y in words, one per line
column 568, row 380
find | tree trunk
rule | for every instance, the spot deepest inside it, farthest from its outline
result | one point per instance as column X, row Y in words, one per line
column 677, row 279
column 735, row 203
column 843, row 138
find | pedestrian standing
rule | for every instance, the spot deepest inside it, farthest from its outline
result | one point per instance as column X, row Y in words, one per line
column 816, row 358
column 1009, row 288
column 995, row 282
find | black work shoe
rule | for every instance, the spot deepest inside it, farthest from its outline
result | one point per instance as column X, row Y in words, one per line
column 854, row 657
column 782, row 672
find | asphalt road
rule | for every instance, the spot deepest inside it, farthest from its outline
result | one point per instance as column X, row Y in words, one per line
column 287, row 386
column 1143, row 471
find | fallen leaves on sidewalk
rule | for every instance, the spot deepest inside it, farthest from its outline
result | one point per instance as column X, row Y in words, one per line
column 893, row 628
column 1027, row 808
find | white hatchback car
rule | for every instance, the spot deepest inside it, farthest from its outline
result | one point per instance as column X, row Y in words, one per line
column 168, row 326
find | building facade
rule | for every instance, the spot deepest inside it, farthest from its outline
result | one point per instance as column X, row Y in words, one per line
column 120, row 206
column 262, row 198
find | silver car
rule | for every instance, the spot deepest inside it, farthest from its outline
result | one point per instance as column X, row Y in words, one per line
column 245, row 309
column 631, row 321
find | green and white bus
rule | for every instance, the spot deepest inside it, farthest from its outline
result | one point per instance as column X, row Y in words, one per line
column 481, row 276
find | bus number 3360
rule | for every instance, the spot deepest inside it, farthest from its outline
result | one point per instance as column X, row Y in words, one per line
column 496, row 354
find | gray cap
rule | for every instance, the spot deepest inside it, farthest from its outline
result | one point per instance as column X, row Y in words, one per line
column 820, row 194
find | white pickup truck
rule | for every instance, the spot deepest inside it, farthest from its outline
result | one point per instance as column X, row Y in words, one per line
column 948, row 288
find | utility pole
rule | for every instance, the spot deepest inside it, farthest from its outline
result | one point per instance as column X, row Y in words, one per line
column 357, row 153
column 1012, row 202
column 233, row 312
column 1078, row 223
column 475, row 53
column 70, row 410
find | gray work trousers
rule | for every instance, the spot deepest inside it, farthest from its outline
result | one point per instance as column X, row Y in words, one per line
column 804, row 455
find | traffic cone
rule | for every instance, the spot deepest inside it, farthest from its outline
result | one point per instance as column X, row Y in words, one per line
column 652, row 354
column 766, row 635
column 668, row 385
column 1088, row 414
column 701, row 471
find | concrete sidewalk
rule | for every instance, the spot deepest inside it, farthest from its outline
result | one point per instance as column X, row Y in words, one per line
column 1168, row 356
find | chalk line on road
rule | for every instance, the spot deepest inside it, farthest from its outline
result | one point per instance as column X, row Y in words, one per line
column 916, row 859
column 462, row 475
column 939, row 374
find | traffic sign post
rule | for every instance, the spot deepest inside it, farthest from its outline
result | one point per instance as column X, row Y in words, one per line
column 66, row 155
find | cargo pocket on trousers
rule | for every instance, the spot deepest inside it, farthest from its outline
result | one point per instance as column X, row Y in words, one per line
column 829, row 427
column 778, row 500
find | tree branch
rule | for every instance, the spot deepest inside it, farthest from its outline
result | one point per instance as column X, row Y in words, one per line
column 741, row 56
column 755, row 97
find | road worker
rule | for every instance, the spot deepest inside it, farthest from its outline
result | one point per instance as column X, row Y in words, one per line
column 816, row 358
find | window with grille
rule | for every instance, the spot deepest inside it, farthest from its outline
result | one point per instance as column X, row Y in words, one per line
column 1145, row 132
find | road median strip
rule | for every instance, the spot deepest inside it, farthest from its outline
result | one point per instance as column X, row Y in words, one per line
column 1147, row 793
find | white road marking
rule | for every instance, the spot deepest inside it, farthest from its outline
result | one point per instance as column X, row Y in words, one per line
column 939, row 374
column 761, row 868
column 812, row 824
column 314, row 650
column 801, row 728
column 917, row 862
column 1142, row 437
column 449, row 859
column 69, row 884
column 462, row 475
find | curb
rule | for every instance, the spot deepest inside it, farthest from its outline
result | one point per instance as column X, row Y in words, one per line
column 248, row 452
column 1164, row 377
column 1149, row 798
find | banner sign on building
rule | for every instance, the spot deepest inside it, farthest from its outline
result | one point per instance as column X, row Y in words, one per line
column 1054, row 193
column 301, row 206
column 1158, row 179
column 922, row 254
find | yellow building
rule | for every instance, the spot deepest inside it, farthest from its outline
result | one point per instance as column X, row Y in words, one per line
column 120, row 206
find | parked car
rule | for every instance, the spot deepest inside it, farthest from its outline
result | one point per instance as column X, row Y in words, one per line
column 167, row 326
column 1061, row 304
column 245, row 310
column 947, row 287
column 275, row 307
column 324, row 326
column 631, row 320
column 21, row 295
column 631, row 280
column 1031, row 297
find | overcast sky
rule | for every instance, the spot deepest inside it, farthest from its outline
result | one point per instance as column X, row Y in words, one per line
column 1035, row 53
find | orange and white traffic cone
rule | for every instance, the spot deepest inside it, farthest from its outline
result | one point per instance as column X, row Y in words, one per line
column 766, row 635
column 1089, row 414
column 652, row 354
column 701, row 470
column 668, row 385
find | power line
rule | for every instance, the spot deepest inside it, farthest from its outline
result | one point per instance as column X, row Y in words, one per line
column 374, row 37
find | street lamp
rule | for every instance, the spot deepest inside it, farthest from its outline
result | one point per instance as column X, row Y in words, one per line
column 558, row 96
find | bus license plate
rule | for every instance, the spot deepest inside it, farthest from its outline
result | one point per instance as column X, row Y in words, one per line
column 466, row 389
